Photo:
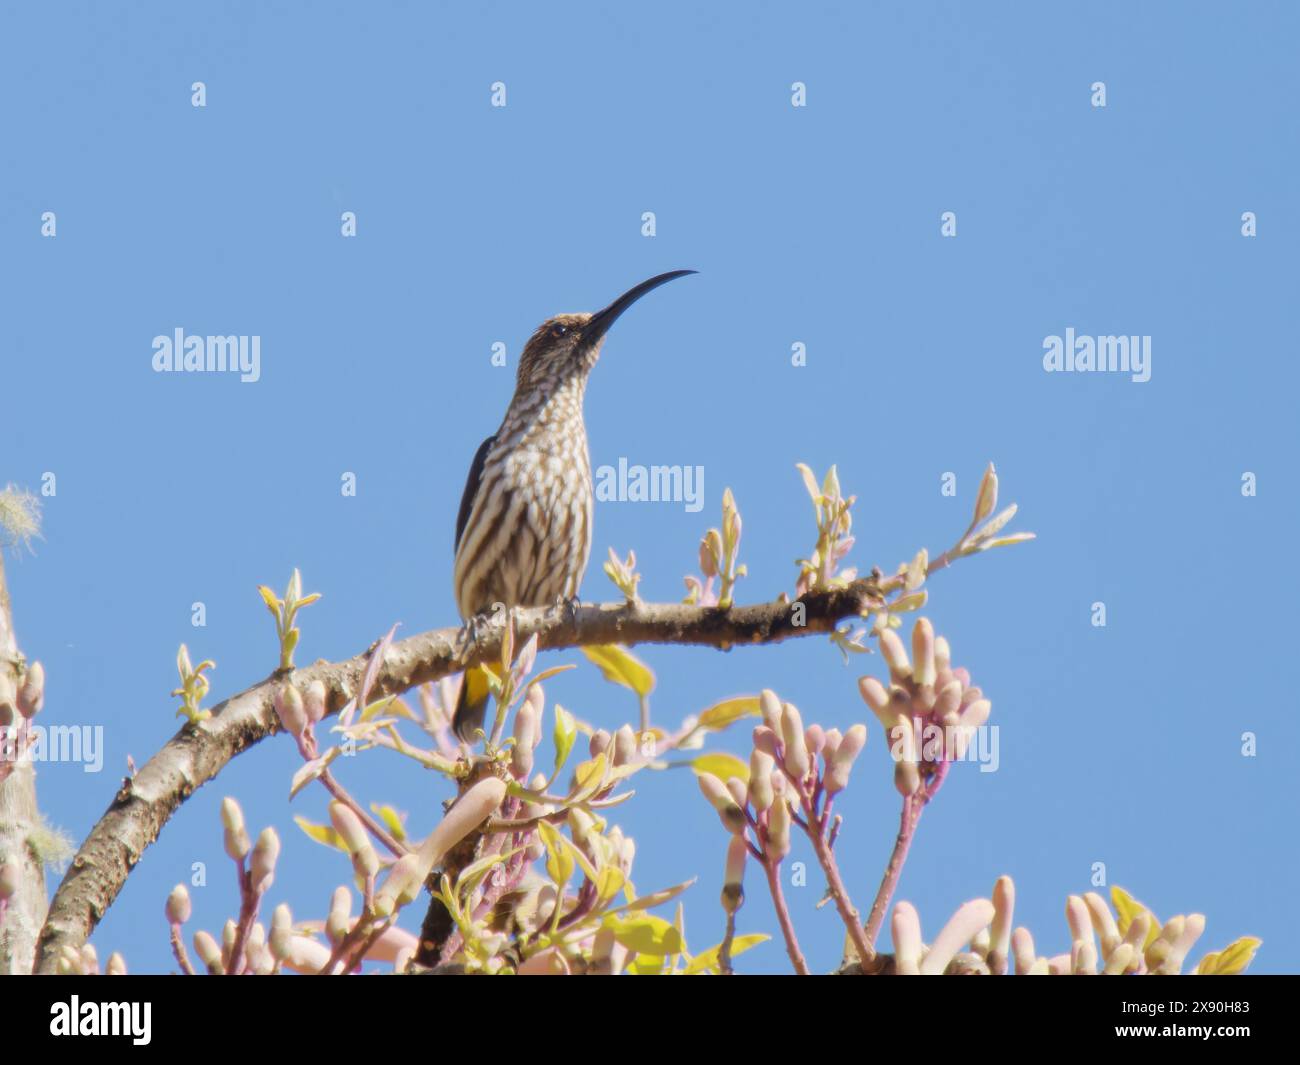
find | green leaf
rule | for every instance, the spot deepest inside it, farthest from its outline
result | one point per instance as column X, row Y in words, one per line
column 566, row 731
column 321, row 833
column 1232, row 959
column 729, row 711
column 1127, row 908
column 587, row 778
column 722, row 765
column 391, row 818
column 709, row 959
column 646, row 934
column 620, row 666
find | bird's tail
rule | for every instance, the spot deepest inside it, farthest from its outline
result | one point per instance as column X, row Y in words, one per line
column 471, row 705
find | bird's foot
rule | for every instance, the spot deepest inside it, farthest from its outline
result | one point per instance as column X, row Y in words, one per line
column 566, row 606
column 470, row 634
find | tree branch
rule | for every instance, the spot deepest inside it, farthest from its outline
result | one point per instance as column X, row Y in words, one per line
column 198, row 752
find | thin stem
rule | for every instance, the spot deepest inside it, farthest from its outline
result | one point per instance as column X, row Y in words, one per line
column 178, row 950
column 912, row 807
column 848, row 912
column 772, row 869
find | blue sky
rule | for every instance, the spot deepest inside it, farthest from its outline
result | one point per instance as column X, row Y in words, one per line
column 819, row 225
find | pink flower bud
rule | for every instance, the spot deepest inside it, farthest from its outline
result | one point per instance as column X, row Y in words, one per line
column 947, row 703
column 778, row 831
column 31, row 693
column 470, row 811
column 1103, row 923
column 290, row 709
column 876, row 697
column 925, row 669
column 209, row 953
column 765, row 740
column 315, row 701
column 739, row 790
column 116, row 965
column 814, row 738
column 281, row 930
column 236, row 836
column 599, row 741
column 1022, row 946
column 261, row 870
column 771, row 708
column 178, row 906
column 970, row 918
column 1004, row 907
column 720, row 798
column 733, row 892
column 624, row 746
column 796, row 760
column 905, row 926
column 891, row 646
column 841, row 763
column 339, row 920
column 761, row 765
column 942, row 654
column 528, row 734
column 353, row 833
column 400, row 887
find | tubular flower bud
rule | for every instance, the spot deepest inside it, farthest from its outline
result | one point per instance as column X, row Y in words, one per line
column 942, row 654
column 895, row 655
column 116, row 965
column 796, row 760
column 710, row 551
column 1137, row 930
column 1083, row 957
column 876, row 697
column 721, row 799
column 265, row 855
column 739, row 790
column 832, row 743
column 178, row 905
column 315, row 701
column 353, row 833
column 1186, row 939
column 339, row 921
column 969, row 920
column 470, row 811
column 528, row 734
column 778, row 830
column 761, row 765
column 209, row 953
column 1119, row 960
column 924, row 669
column 599, row 742
column 814, row 738
column 290, row 709
column 400, row 887
column 1022, row 946
column 765, row 740
column 1004, row 907
column 1103, row 923
column 948, row 702
column 281, row 931
column 624, row 746
column 770, row 705
column 905, row 926
column 841, row 762
column 733, row 892
column 236, row 835
column 907, row 777
column 31, row 693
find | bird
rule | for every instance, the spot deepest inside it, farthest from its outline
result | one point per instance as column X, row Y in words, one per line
column 523, row 532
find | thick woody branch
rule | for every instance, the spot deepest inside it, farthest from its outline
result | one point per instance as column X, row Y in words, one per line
column 197, row 753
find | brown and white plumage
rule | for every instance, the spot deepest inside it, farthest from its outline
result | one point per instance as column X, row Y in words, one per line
column 523, row 533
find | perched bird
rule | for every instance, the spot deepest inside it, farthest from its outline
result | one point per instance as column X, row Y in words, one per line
column 523, row 534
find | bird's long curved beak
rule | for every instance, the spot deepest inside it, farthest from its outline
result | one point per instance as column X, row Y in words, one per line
column 602, row 320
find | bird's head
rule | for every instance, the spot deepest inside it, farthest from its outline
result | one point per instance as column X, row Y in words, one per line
column 570, row 344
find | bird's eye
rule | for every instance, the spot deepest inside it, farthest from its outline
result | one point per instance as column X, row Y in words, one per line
column 559, row 329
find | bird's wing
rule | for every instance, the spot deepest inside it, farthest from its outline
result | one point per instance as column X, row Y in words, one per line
column 471, row 486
